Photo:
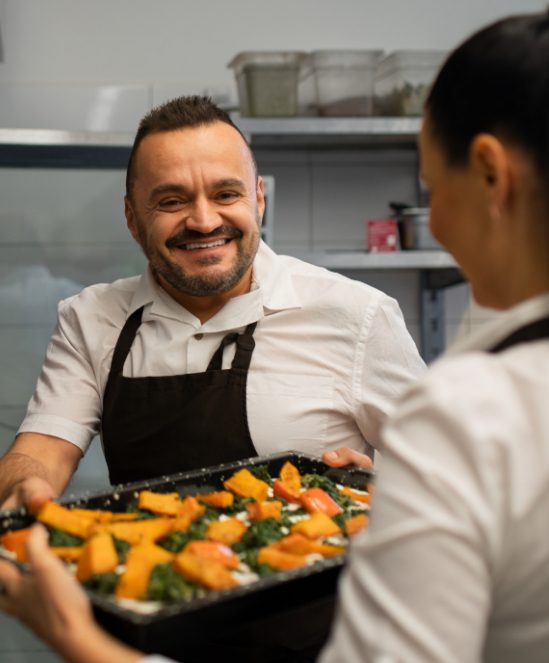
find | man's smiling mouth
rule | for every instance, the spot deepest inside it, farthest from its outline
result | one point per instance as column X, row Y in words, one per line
column 190, row 246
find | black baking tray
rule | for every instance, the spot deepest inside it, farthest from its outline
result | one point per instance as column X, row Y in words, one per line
column 264, row 602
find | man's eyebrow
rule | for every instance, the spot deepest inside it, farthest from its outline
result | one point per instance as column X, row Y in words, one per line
column 167, row 187
column 229, row 182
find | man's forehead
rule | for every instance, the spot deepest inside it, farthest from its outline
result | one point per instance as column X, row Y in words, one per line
column 215, row 139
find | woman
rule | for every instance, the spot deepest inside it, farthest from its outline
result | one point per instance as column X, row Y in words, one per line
column 455, row 564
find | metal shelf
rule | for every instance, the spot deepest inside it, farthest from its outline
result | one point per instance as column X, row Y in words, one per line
column 338, row 132
column 422, row 260
column 51, row 148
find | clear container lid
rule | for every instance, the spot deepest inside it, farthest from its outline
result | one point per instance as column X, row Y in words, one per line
column 348, row 58
column 267, row 59
column 416, row 59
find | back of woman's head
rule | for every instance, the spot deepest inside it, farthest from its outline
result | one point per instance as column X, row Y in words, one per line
column 495, row 82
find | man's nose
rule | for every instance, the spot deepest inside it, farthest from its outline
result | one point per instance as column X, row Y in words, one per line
column 202, row 216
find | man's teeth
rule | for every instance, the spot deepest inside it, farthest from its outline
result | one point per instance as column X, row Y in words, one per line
column 204, row 245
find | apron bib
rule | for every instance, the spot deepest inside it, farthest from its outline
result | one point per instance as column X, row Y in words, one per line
column 152, row 426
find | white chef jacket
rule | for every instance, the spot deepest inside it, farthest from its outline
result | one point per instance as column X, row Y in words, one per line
column 331, row 356
column 454, row 567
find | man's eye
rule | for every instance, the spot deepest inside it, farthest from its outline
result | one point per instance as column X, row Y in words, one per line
column 170, row 203
column 226, row 196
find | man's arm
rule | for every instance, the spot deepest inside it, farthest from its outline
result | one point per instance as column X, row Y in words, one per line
column 36, row 468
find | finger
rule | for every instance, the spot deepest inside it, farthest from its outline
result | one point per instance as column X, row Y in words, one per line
column 9, row 579
column 33, row 493
column 45, row 565
column 345, row 456
column 37, row 543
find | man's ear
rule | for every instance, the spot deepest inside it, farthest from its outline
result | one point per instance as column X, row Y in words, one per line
column 260, row 197
column 130, row 218
column 490, row 160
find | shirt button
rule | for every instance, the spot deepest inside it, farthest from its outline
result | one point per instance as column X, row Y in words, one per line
column 198, row 336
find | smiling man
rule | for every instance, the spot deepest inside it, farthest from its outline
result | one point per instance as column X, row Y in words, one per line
column 222, row 349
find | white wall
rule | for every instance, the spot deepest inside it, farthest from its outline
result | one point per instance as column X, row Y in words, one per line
column 57, row 51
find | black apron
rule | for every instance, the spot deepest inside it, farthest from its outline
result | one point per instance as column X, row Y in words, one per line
column 533, row 331
column 153, row 426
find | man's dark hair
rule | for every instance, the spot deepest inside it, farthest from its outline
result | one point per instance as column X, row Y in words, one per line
column 179, row 113
column 496, row 82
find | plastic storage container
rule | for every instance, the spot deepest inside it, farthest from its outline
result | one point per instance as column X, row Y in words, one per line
column 267, row 82
column 403, row 79
column 344, row 81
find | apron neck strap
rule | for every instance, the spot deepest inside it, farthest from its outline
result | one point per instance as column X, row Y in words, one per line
column 534, row 331
column 245, row 345
column 125, row 341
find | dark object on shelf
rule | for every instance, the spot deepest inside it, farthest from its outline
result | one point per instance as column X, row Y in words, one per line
column 413, row 228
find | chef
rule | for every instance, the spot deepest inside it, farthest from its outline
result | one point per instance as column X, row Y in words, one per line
column 222, row 349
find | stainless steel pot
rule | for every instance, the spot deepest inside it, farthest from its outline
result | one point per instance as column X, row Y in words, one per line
column 413, row 225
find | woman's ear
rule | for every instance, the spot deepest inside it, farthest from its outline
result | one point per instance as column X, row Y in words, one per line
column 490, row 161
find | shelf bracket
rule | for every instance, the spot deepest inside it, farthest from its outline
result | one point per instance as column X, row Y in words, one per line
column 432, row 318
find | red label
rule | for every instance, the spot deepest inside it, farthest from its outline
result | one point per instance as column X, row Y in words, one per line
column 382, row 235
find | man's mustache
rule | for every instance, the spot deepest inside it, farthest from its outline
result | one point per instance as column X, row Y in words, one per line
column 229, row 232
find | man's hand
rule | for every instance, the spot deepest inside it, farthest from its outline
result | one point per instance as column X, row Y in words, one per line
column 36, row 468
column 345, row 456
column 32, row 493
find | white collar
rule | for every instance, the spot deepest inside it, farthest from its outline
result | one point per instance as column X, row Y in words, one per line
column 505, row 323
column 272, row 290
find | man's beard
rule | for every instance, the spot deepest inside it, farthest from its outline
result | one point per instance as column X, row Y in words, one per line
column 215, row 281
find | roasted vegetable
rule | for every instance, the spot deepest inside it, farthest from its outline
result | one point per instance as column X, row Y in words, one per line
column 290, row 477
column 67, row 553
column 60, row 517
column 244, row 483
column 298, row 544
column 227, row 531
column 98, row 556
column 319, row 481
column 356, row 496
column 355, row 524
column 189, row 511
column 280, row 560
column 319, row 525
column 141, row 560
column 205, row 572
column 165, row 504
column 315, row 499
column 218, row 552
column 15, row 542
column 280, row 489
column 262, row 510
column 221, row 499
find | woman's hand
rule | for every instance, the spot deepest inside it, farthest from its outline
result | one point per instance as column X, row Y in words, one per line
column 51, row 603
column 345, row 456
